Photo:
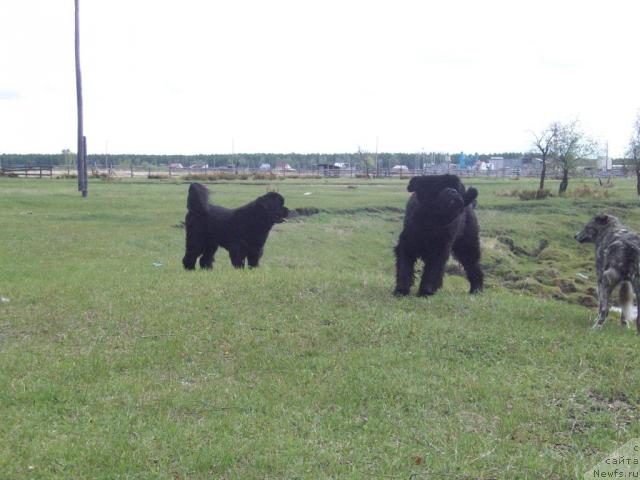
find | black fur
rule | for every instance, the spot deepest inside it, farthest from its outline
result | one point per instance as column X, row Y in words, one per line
column 242, row 231
column 439, row 219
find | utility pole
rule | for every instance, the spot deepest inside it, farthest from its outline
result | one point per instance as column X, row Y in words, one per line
column 82, row 141
column 377, row 166
column 233, row 155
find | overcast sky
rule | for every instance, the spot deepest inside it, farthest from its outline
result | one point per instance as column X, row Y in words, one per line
column 201, row 76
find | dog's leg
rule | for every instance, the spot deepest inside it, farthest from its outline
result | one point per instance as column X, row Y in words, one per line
column 636, row 290
column 253, row 259
column 604, row 292
column 404, row 271
column 189, row 261
column 626, row 303
column 432, row 274
column 237, row 258
column 193, row 244
column 467, row 252
column 206, row 260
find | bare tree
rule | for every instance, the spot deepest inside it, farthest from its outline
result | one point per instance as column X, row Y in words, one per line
column 544, row 143
column 569, row 146
column 634, row 150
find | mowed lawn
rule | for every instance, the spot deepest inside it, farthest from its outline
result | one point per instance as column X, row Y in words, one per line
column 116, row 363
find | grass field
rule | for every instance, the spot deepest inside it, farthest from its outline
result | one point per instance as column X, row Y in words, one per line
column 116, row 363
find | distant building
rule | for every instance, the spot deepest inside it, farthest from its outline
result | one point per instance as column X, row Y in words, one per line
column 284, row 167
column 199, row 166
column 344, row 166
column 400, row 169
column 604, row 162
column 530, row 164
column 328, row 169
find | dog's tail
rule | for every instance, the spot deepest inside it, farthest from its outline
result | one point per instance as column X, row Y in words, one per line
column 626, row 301
column 198, row 199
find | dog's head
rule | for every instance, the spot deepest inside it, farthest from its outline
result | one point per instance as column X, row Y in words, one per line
column 442, row 197
column 594, row 228
column 273, row 204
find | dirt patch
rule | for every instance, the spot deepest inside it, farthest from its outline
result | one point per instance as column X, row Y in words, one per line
column 303, row 212
column 373, row 210
column 454, row 269
column 518, row 250
column 544, row 243
column 308, row 211
column 511, row 245
column 565, row 286
column 578, row 408
column 588, row 302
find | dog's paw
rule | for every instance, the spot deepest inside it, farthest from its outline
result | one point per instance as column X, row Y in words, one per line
column 597, row 326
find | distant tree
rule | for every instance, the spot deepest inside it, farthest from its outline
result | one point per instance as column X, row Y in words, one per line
column 634, row 150
column 569, row 146
column 369, row 163
column 543, row 141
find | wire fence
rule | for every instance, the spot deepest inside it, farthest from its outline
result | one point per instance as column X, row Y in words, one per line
column 206, row 172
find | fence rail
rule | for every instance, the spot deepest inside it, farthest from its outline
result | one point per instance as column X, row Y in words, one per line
column 27, row 170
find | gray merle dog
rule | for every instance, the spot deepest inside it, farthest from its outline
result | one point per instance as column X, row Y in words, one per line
column 617, row 263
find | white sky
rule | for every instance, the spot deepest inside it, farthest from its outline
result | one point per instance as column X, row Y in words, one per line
column 196, row 76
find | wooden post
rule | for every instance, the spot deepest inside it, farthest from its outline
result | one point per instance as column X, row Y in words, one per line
column 85, row 181
column 81, row 155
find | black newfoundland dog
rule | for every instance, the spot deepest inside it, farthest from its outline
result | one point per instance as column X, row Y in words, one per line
column 439, row 219
column 242, row 231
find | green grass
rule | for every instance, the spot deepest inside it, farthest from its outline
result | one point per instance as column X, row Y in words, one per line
column 308, row 367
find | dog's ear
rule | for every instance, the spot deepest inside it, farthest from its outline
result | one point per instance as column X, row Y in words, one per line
column 413, row 184
column 470, row 196
column 271, row 201
column 602, row 219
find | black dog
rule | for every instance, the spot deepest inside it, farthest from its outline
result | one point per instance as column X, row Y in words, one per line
column 439, row 219
column 242, row 231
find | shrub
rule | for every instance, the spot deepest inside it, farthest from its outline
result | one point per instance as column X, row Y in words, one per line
column 105, row 177
column 538, row 194
column 216, row 176
column 264, row 176
column 586, row 191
